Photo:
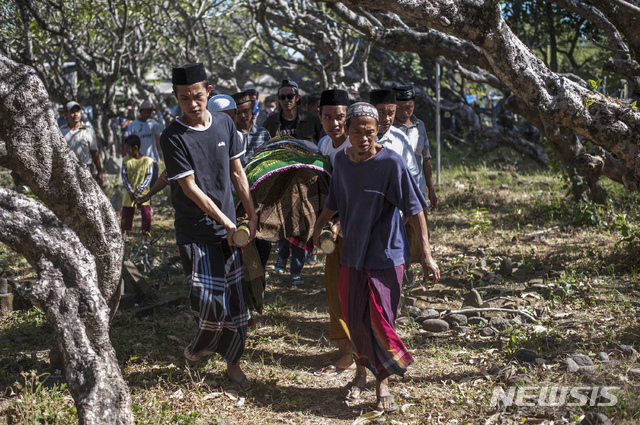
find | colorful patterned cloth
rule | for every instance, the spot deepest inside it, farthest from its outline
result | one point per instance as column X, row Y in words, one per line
column 289, row 182
column 370, row 300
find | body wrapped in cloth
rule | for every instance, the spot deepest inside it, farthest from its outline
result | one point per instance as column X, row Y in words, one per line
column 289, row 182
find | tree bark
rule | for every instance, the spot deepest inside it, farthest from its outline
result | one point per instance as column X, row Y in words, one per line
column 32, row 146
column 67, row 289
column 584, row 170
column 611, row 125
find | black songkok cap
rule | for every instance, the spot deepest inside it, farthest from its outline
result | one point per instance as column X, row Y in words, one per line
column 382, row 96
column 404, row 92
column 334, row 97
column 188, row 74
column 242, row 97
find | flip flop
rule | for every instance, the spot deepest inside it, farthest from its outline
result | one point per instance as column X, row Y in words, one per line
column 329, row 370
column 351, row 392
column 385, row 399
column 190, row 355
column 239, row 382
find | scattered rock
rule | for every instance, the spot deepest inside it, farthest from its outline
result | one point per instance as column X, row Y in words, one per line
column 413, row 311
column 526, row 355
column 472, row 299
column 569, row 365
column 489, row 277
column 429, row 313
column 602, row 356
column 518, row 379
column 629, row 352
column 506, row 267
column 404, row 320
column 487, row 332
column 581, row 359
column 588, row 370
column 455, row 319
column 476, row 320
column 435, row 325
column 593, row 418
column 464, row 329
column 634, row 373
column 499, row 323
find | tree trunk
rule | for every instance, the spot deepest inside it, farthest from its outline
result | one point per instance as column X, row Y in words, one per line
column 32, row 146
column 585, row 178
column 67, row 289
column 609, row 124
column 78, row 266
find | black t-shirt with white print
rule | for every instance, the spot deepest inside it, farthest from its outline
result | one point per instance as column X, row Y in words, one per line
column 288, row 128
column 206, row 153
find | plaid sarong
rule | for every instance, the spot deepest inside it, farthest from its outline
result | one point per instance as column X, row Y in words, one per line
column 214, row 272
column 370, row 300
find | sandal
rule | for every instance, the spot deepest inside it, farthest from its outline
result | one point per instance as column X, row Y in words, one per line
column 382, row 399
column 239, row 382
column 351, row 392
column 190, row 355
column 329, row 370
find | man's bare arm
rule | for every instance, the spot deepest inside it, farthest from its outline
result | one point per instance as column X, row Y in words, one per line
column 426, row 167
column 427, row 261
column 241, row 184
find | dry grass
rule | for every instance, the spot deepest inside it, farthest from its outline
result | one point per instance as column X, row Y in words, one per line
column 592, row 297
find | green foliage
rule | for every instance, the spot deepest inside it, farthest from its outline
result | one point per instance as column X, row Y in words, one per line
column 479, row 222
column 44, row 404
column 629, row 230
column 595, row 85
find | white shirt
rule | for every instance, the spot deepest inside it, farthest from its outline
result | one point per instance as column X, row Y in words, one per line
column 398, row 142
column 146, row 131
column 326, row 147
column 82, row 141
column 417, row 135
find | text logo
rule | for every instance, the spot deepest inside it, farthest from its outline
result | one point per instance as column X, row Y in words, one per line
column 554, row 396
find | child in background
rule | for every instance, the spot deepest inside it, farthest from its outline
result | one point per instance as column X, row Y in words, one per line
column 137, row 171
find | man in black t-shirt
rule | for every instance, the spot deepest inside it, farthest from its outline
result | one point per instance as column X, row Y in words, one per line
column 202, row 155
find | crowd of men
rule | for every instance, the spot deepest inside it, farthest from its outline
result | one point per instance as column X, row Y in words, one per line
column 376, row 210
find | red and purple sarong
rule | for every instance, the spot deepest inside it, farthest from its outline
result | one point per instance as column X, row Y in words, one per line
column 370, row 300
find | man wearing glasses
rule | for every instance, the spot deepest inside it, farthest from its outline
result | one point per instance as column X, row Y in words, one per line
column 290, row 120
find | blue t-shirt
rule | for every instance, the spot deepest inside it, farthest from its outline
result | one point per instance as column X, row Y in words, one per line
column 206, row 154
column 369, row 196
